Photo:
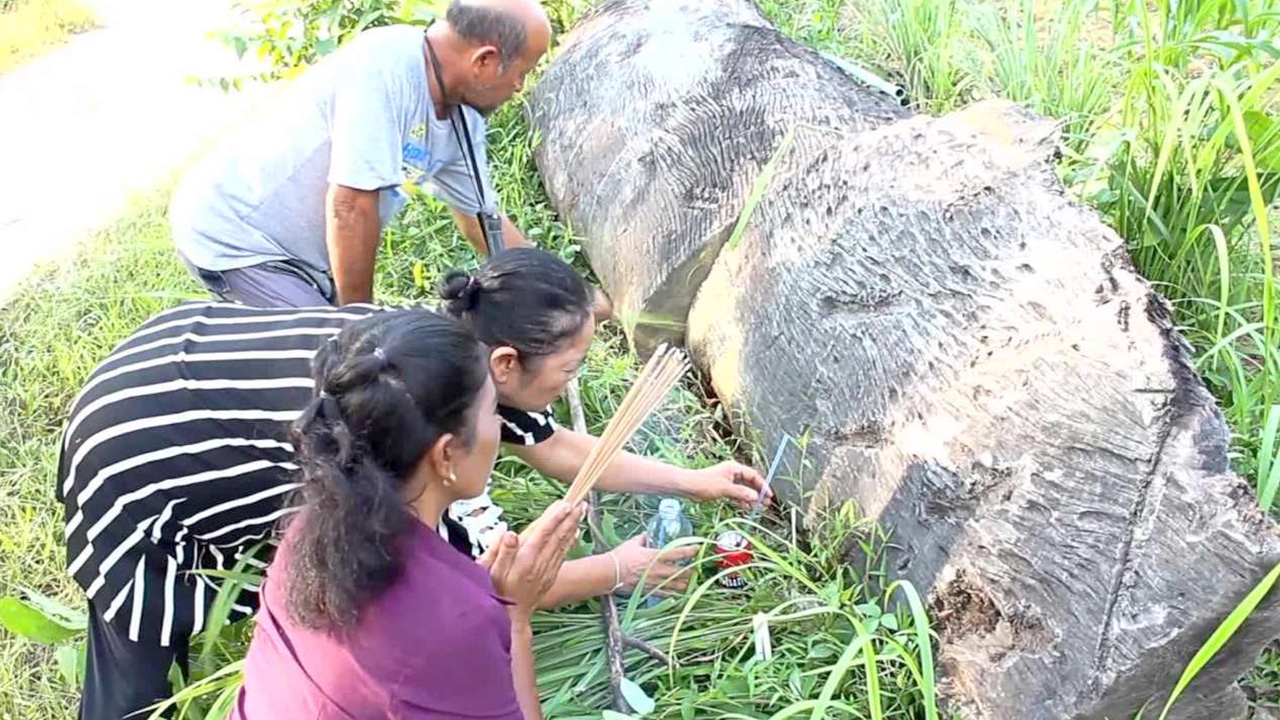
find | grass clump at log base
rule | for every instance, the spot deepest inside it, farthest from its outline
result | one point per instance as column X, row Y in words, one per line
column 1181, row 191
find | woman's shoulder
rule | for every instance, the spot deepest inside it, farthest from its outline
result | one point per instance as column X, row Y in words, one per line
column 436, row 574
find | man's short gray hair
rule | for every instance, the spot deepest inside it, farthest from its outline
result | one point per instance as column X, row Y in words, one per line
column 480, row 24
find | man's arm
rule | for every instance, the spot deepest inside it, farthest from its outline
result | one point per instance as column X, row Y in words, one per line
column 470, row 227
column 352, row 235
column 602, row 306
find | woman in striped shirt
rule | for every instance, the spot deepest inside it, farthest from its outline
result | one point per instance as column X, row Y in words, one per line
column 176, row 458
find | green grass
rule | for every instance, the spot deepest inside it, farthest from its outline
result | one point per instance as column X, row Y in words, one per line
column 51, row 336
column 29, row 28
column 1221, row 635
column 1165, row 112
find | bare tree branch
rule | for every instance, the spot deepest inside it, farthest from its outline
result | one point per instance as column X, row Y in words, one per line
column 616, row 642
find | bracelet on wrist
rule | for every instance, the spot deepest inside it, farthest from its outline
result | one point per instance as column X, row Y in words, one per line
column 617, row 571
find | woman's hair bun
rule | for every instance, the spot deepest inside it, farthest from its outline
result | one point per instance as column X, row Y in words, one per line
column 460, row 290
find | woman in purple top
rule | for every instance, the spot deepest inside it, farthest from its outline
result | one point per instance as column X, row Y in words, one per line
column 367, row 612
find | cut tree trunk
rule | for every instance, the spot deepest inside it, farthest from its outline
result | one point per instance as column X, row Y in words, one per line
column 979, row 367
column 656, row 118
column 972, row 356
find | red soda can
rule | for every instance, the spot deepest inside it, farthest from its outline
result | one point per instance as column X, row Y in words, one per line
column 732, row 550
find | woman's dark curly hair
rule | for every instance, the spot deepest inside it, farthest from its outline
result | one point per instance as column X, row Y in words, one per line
column 386, row 389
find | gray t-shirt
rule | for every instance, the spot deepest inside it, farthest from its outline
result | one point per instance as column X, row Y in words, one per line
column 358, row 119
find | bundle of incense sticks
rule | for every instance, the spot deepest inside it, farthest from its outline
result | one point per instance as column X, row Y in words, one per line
column 660, row 374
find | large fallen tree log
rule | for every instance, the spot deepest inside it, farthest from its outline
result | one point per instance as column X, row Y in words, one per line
column 972, row 355
column 980, row 368
column 661, row 116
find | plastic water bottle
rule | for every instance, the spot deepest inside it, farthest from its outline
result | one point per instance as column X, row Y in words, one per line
column 668, row 525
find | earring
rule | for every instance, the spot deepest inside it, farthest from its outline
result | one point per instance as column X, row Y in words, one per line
column 453, row 478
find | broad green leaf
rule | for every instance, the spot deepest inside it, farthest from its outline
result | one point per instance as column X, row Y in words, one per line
column 1264, row 133
column 794, row 682
column 923, row 645
column 637, row 699
column 861, row 646
column 609, row 529
column 412, row 10
column 581, row 549
column 71, row 661
column 67, row 617
column 1268, row 468
column 23, row 619
column 733, row 685
column 823, row 651
column 1269, row 486
column 831, row 594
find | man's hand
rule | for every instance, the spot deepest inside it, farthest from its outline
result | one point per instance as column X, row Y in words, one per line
column 728, row 480
column 601, row 305
column 352, row 234
column 635, row 558
column 469, row 225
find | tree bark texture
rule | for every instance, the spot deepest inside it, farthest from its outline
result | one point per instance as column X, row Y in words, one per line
column 657, row 118
column 971, row 355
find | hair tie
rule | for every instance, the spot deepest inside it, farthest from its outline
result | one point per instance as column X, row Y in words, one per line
column 471, row 294
column 324, row 395
column 378, row 353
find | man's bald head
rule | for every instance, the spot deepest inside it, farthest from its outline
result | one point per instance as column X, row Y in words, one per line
column 514, row 27
column 488, row 47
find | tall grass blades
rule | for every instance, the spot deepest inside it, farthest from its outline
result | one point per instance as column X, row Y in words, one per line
column 51, row 336
column 1056, row 63
column 817, row 23
column 29, row 28
column 840, row 649
column 1190, row 183
column 921, row 39
column 1221, row 636
column 1169, row 112
column 1268, row 461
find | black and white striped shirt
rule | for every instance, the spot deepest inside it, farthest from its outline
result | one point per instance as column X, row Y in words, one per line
column 176, row 458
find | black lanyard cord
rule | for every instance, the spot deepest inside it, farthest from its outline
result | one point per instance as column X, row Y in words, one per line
column 467, row 147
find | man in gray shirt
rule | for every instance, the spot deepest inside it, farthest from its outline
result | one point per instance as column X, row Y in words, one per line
column 289, row 210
